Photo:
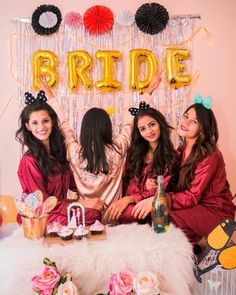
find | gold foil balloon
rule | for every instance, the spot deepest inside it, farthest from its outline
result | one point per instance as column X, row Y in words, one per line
column 137, row 57
column 45, row 64
column 108, row 57
column 79, row 63
column 175, row 67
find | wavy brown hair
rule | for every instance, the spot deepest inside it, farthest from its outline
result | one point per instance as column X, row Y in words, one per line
column 205, row 145
column 164, row 154
column 54, row 162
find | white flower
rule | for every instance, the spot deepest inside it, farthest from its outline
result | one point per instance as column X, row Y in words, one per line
column 68, row 288
column 146, row 283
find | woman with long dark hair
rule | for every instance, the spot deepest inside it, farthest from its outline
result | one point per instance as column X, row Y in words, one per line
column 151, row 153
column 200, row 198
column 44, row 165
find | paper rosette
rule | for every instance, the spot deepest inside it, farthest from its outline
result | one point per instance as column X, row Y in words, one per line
column 98, row 19
column 125, row 18
column 46, row 20
column 73, row 19
column 151, row 18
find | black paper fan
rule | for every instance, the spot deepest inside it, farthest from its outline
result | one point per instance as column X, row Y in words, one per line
column 151, row 18
column 46, row 19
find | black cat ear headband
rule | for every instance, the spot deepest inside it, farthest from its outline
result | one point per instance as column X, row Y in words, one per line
column 29, row 98
column 142, row 106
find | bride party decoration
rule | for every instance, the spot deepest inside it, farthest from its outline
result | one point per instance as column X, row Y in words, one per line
column 98, row 19
column 46, row 19
column 77, row 60
column 79, row 63
column 45, row 63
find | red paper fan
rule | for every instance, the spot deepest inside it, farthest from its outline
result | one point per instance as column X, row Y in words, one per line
column 98, row 19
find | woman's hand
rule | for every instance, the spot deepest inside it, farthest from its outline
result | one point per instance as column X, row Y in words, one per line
column 142, row 208
column 94, row 203
column 115, row 210
column 151, row 184
column 44, row 86
column 156, row 80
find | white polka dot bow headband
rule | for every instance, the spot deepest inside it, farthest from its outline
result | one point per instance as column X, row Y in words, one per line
column 29, row 98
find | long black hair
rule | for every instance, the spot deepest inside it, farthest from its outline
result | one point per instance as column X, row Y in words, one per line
column 205, row 144
column 95, row 137
column 50, row 162
column 164, row 154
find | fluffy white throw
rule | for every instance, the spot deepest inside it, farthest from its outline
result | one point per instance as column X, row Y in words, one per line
column 127, row 247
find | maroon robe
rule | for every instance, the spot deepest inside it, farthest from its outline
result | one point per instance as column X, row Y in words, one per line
column 137, row 189
column 209, row 200
column 31, row 179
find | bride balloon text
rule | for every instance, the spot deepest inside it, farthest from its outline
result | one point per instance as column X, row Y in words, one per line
column 79, row 65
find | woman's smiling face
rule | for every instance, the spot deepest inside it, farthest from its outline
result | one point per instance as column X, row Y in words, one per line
column 189, row 127
column 40, row 124
column 149, row 129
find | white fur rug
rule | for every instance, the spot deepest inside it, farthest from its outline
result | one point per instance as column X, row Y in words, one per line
column 134, row 247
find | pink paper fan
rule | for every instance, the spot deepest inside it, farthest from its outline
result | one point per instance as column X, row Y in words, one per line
column 73, row 19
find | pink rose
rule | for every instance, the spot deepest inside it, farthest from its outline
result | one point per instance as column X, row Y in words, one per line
column 46, row 280
column 121, row 283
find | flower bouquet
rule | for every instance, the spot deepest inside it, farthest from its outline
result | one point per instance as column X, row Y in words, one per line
column 125, row 283
column 50, row 282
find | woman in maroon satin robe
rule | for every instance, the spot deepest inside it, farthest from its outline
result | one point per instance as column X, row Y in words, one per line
column 151, row 153
column 200, row 198
column 44, row 166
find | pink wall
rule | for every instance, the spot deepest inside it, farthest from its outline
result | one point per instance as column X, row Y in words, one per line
column 216, row 62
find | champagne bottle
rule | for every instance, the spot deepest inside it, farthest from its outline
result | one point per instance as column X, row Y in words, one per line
column 160, row 208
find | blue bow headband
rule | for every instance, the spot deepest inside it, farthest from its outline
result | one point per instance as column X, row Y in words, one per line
column 29, row 98
column 142, row 106
column 206, row 102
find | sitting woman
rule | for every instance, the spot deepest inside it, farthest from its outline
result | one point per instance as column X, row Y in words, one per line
column 44, row 166
column 201, row 197
column 151, row 153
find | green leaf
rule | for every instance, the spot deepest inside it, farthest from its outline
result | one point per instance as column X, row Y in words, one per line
column 48, row 262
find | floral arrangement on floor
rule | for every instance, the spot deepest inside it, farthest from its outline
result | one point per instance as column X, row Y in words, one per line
column 125, row 283
column 50, row 282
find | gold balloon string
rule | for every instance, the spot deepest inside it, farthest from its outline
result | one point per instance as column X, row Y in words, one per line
column 7, row 105
column 190, row 39
column 195, row 78
column 11, row 59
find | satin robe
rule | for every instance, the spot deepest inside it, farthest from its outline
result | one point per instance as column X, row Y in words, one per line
column 31, row 179
column 209, row 200
column 137, row 189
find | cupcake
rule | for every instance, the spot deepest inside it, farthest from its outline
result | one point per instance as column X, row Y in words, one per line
column 54, row 228
column 66, row 234
column 80, row 233
column 96, row 228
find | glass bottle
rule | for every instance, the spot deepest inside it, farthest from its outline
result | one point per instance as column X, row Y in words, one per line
column 160, row 208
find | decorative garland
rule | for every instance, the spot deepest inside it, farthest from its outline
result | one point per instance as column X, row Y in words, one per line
column 151, row 18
